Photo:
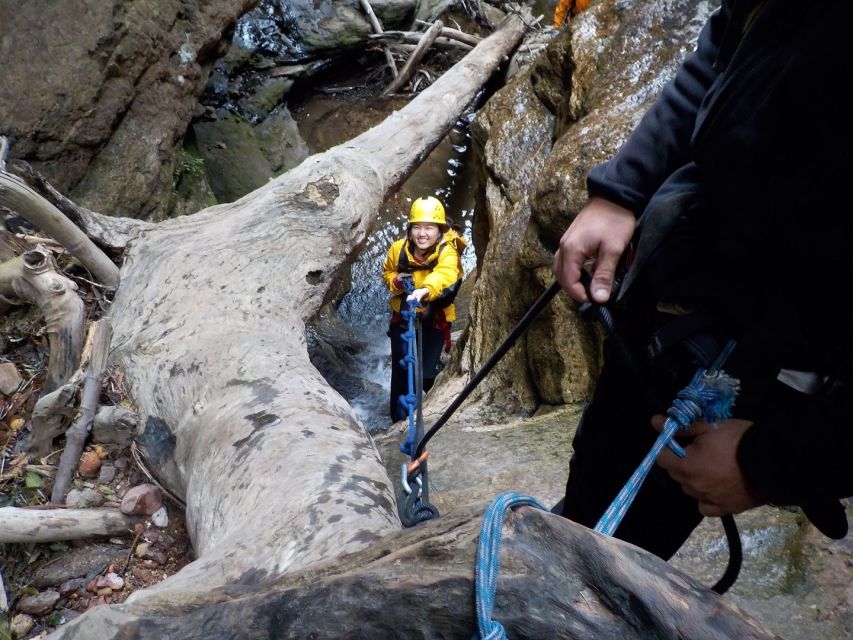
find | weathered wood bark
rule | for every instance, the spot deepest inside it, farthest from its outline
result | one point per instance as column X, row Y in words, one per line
column 52, row 414
column 557, row 580
column 53, row 525
column 34, row 278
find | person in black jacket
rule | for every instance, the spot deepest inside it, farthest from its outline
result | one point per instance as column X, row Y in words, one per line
column 725, row 215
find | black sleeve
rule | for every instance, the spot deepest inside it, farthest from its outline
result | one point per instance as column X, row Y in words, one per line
column 798, row 452
column 661, row 142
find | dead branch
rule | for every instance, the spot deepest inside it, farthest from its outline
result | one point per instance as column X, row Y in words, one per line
column 75, row 437
column 412, row 38
column 110, row 231
column 377, row 28
column 19, row 197
column 4, row 150
column 4, row 600
column 456, row 34
column 33, row 277
column 440, row 43
column 411, row 64
column 19, row 525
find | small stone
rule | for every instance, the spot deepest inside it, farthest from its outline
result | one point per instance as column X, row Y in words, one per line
column 107, row 474
column 160, row 518
column 10, row 379
column 143, row 499
column 141, row 550
column 21, row 625
column 89, row 464
column 122, row 463
column 39, row 605
column 71, row 586
column 84, row 498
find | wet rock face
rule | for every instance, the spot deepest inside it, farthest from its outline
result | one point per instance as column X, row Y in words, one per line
column 102, row 91
column 295, row 30
column 539, row 136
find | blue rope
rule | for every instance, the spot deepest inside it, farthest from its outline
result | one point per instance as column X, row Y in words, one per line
column 409, row 402
column 710, row 395
column 489, row 562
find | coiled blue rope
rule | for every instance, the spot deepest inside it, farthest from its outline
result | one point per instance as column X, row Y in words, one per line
column 489, row 562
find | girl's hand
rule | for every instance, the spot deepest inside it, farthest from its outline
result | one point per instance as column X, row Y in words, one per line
column 417, row 294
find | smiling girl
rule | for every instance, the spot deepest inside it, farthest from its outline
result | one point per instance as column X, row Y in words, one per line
column 430, row 256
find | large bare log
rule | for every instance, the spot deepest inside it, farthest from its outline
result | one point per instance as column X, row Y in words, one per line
column 54, row 525
column 557, row 580
column 19, row 197
column 234, row 419
column 33, row 277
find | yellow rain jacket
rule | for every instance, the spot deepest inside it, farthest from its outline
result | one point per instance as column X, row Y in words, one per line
column 441, row 269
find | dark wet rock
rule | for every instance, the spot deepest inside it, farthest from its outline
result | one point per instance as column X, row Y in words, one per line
column 77, row 563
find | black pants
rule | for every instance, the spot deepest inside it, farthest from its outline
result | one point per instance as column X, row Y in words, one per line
column 432, row 342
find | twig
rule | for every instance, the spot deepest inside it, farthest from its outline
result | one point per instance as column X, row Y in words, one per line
column 377, row 28
column 138, row 535
column 4, row 149
column 134, row 451
column 76, row 435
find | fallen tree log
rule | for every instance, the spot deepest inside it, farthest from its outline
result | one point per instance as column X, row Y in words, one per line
column 54, row 525
column 557, row 580
column 18, row 196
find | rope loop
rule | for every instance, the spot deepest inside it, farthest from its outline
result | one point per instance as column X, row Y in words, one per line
column 710, row 395
column 488, row 561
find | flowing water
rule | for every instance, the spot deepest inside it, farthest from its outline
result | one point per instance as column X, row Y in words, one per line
column 361, row 316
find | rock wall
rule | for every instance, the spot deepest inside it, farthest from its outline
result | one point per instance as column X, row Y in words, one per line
column 97, row 94
column 538, row 137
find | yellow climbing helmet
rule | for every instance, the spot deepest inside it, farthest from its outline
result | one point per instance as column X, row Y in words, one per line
column 427, row 209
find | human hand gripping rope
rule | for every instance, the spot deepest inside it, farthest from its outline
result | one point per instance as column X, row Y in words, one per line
column 415, row 505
